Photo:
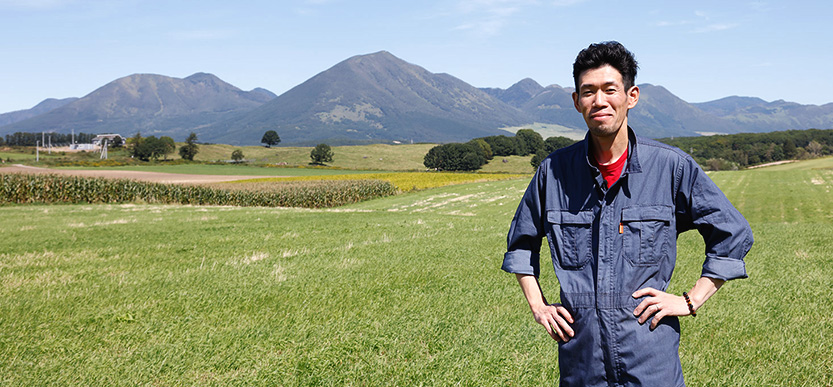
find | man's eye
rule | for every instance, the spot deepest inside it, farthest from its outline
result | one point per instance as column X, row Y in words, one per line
column 611, row 90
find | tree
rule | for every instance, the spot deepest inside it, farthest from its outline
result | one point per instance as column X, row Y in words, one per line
column 538, row 158
column 502, row 145
column 153, row 148
column 117, row 142
column 529, row 141
column 814, row 147
column 270, row 138
column 551, row 144
column 166, row 146
column 789, row 149
column 190, row 149
column 237, row 155
column 133, row 143
column 454, row 157
column 321, row 154
column 485, row 149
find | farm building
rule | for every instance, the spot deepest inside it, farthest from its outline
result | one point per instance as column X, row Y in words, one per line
column 97, row 140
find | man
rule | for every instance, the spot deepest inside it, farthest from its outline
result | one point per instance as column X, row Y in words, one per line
column 611, row 207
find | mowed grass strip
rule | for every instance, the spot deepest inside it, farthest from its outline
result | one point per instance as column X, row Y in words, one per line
column 403, row 290
column 405, row 181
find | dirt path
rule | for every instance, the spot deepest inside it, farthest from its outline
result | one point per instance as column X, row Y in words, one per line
column 155, row 177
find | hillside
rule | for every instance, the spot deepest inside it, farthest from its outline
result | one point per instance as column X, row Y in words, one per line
column 150, row 103
column 374, row 98
column 46, row 105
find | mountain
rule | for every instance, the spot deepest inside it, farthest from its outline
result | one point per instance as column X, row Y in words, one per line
column 765, row 116
column 150, row 103
column 43, row 107
column 381, row 98
column 517, row 94
column 373, row 98
column 660, row 113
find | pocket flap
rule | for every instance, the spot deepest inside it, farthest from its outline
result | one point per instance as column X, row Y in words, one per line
column 567, row 217
column 643, row 213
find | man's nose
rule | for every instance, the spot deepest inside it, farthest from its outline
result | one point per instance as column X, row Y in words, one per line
column 599, row 99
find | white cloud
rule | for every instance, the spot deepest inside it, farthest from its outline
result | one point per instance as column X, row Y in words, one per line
column 715, row 27
column 488, row 17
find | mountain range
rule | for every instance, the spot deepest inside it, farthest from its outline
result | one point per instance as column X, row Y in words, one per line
column 149, row 103
column 380, row 98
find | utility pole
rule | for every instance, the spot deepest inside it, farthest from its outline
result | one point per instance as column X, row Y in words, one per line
column 104, row 150
column 50, row 143
column 37, row 151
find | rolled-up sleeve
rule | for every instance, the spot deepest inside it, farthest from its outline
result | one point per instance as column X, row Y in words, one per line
column 725, row 231
column 526, row 231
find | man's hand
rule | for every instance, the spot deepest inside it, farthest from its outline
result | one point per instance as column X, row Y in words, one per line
column 658, row 304
column 556, row 319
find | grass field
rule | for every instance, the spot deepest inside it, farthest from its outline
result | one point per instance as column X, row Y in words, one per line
column 359, row 158
column 404, row 290
column 230, row 169
column 374, row 157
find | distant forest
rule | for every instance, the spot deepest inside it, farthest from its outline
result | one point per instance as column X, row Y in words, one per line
column 57, row 139
column 734, row 151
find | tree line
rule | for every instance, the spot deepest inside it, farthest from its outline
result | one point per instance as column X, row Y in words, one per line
column 733, row 151
column 474, row 154
column 30, row 139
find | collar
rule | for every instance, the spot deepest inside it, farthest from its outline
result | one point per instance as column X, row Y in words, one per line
column 632, row 164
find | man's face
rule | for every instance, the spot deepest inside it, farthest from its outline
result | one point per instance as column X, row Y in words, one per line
column 603, row 100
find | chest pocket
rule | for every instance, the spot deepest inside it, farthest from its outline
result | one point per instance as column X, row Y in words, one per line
column 646, row 233
column 573, row 236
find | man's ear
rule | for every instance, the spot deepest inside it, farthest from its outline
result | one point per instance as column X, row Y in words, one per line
column 633, row 96
column 575, row 101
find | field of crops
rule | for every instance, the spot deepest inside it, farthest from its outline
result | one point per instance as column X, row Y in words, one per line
column 50, row 189
column 404, row 181
column 402, row 290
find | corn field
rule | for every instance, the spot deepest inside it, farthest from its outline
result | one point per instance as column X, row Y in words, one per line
column 23, row 188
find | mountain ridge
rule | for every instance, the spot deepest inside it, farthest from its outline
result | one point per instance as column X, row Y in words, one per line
column 150, row 103
column 379, row 97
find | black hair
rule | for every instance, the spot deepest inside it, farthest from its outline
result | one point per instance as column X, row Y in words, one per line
column 606, row 53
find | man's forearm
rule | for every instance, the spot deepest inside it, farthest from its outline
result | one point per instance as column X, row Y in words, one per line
column 703, row 289
column 532, row 290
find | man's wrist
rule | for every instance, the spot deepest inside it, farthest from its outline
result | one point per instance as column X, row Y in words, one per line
column 689, row 305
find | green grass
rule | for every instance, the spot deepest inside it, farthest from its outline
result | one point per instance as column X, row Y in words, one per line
column 377, row 157
column 28, row 157
column 373, row 157
column 241, row 169
column 403, row 290
column 822, row 163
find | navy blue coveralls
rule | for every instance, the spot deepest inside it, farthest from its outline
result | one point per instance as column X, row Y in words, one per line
column 608, row 243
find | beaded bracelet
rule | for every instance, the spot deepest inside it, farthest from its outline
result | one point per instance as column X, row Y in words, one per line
column 690, row 307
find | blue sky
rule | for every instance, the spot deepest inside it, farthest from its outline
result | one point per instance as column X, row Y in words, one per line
column 699, row 50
